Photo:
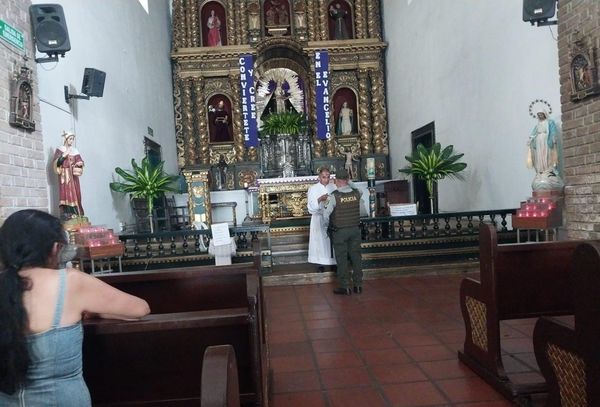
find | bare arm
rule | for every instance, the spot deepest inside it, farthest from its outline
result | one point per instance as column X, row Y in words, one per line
column 93, row 297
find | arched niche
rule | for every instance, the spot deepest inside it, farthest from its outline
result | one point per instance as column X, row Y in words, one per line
column 341, row 21
column 213, row 14
column 347, row 95
column 220, row 129
column 277, row 17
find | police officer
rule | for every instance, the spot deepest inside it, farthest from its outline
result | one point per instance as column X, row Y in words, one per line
column 342, row 213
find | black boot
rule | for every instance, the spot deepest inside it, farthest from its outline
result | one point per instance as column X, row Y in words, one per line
column 358, row 289
column 321, row 269
column 342, row 291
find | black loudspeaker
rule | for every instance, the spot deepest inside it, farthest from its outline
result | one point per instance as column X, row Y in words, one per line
column 93, row 82
column 50, row 29
column 538, row 10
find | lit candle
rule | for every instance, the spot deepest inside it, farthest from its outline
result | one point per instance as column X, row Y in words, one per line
column 245, row 185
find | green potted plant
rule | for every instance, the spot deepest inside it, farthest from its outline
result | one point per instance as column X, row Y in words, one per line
column 145, row 181
column 292, row 123
column 433, row 164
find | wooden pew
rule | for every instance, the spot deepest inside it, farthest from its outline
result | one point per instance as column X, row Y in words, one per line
column 569, row 357
column 516, row 281
column 157, row 359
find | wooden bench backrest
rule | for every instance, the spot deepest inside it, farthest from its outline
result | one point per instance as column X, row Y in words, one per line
column 189, row 289
column 525, row 280
column 586, row 292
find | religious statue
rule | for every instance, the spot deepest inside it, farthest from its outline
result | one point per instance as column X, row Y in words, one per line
column 543, row 153
column 253, row 16
column 345, row 120
column 221, row 175
column 283, row 15
column 220, row 117
column 214, row 30
column 270, row 16
column 68, row 165
column 339, row 19
column 348, row 165
column 280, row 98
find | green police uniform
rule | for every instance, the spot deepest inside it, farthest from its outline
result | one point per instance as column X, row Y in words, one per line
column 343, row 209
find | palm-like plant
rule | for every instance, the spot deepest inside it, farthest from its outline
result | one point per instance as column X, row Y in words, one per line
column 433, row 164
column 293, row 123
column 145, row 181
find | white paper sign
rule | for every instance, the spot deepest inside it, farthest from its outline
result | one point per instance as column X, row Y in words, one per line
column 220, row 233
column 403, row 209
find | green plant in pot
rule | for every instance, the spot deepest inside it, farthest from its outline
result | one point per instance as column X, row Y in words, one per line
column 145, row 181
column 293, row 123
column 433, row 164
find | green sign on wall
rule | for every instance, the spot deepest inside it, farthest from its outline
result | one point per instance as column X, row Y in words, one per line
column 11, row 35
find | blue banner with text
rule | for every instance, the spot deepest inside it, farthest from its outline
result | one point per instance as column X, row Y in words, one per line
column 322, row 94
column 249, row 126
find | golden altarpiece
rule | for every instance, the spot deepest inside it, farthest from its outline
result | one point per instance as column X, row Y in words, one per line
column 283, row 36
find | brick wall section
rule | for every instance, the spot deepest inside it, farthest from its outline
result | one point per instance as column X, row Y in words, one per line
column 23, row 180
column 581, row 125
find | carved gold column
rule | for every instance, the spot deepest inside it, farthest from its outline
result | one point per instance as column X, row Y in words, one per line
column 179, row 25
column 242, row 23
column 188, row 122
column 238, row 137
column 202, row 150
column 323, row 21
column 179, row 135
column 194, row 29
column 232, row 28
column 189, row 4
column 311, row 19
column 374, row 19
column 361, row 18
column 378, row 111
column 365, row 114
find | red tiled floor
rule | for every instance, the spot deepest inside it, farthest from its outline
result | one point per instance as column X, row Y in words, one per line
column 394, row 345
column 312, row 399
column 359, row 397
column 414, row 394
column 347, row 377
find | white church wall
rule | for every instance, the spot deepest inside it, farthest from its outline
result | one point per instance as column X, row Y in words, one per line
column 131, row 44
column 472, row 67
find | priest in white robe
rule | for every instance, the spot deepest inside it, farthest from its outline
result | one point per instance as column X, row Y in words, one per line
column 320, row 250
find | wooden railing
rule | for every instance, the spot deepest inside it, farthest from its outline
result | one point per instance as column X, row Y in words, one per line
column 432, row 226
column 186, row 242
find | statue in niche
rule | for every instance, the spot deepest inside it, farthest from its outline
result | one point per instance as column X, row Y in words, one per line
column 253, row 17
column 279, row 90
column 300, row 16
column 350, row 159
column 21, row 105
column 221, row 174
column 338, row 14
column 345, row 121
column 282, row 13
column 214, row 30
column 221, row 123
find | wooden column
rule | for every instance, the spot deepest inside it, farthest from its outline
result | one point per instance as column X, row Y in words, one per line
column 365, row 114
column 323, row 21
column 179, row 135
column 194, row 39
column 374, row 19
column 188, row 122
column 378, row 111
column 179, row 26
column 311, row 19
column 231, row 26
column 360, row 20
column 202, row 150
column 238, row 137
column 243, row 23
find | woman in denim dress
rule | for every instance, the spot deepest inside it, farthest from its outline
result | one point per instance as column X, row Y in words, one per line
column 40, row 314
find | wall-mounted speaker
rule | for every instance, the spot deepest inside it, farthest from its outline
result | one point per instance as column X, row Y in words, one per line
column 49, row 29
column 538, row 10
column 93, row 82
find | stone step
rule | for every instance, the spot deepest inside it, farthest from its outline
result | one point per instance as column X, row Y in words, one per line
column 289, row 257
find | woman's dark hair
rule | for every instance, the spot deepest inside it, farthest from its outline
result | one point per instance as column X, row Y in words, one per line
column 26, row 240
